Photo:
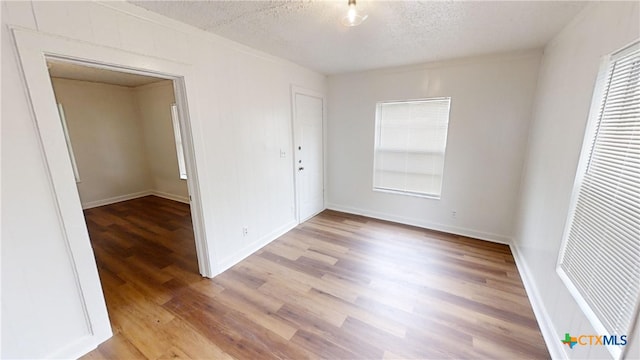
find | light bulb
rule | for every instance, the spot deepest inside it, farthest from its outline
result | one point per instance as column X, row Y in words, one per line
column 352, row 13
column 353, row 18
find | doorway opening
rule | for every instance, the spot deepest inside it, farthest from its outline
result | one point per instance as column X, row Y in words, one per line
column 34, row 49
column 125, row 145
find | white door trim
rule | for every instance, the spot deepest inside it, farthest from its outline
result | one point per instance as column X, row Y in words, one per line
column 295, row 89
column 33, row 49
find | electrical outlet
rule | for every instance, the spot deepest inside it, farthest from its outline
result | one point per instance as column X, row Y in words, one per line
column 245, row 231
column 454, row 214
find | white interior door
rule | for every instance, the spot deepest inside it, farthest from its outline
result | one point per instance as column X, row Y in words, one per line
column 308, row 141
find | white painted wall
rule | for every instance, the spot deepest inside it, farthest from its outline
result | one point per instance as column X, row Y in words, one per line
column 107, row 136
column 491, row 99
column 40, row 312
column 154, row 110
column 123, row 140
column 563, row 98
column 241, row 121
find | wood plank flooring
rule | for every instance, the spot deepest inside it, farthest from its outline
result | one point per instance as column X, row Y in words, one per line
column 338, row 286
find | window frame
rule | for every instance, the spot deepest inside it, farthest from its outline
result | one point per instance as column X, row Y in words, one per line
column 67, row 137
column 175, row 120
column 590, row 136
column 377, row 126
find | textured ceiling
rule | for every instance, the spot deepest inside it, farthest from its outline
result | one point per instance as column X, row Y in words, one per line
column 67, row 70
column 396, row 33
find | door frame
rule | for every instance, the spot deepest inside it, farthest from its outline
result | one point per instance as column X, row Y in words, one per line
column 33, row 49
column 295, row 90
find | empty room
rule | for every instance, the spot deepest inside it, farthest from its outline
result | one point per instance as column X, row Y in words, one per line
column 320, row 179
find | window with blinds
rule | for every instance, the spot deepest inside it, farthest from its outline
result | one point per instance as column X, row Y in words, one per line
column 410, row 142
column 182, row 167
column 72, row 156
column 600, row 259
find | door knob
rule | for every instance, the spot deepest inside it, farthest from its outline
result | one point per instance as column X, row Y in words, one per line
column 300, row 168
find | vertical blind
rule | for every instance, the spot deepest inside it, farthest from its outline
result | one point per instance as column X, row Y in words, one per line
column 601, row 257
column 411, row 138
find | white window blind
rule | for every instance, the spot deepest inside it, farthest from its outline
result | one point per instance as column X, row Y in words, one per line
column 411, row 138
column 178, row 138
column 600, row 261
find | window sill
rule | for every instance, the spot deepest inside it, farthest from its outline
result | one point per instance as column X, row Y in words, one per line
column 408, row 193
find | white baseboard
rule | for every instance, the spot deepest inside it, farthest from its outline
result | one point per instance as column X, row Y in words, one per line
column 117, row 199
column 254, row 246
column 551, row 338
column 80, row 347
column 178, row 198
column 501, row 239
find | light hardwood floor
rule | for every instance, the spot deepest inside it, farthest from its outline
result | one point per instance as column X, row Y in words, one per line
column 338, row 286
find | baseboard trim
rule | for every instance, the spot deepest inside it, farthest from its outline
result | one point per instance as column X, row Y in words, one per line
column 80, row 347
column 496, row 238
column 178, row 198
column 117, row 199
column 254, row 246
column 551, row 338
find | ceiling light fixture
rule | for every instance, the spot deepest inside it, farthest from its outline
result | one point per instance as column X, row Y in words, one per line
column 353, row 18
